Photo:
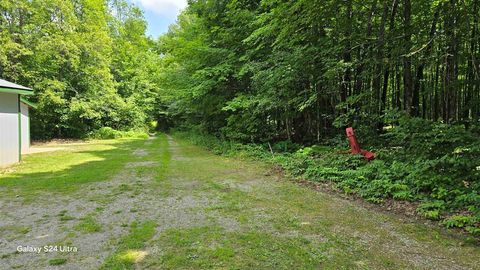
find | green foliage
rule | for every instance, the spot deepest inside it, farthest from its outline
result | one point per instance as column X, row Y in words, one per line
column 285, row 146
column 274, row 80
column 106, row 133
column 89, row 68
column 457, row 221
column 256, row 71
column 417, row 160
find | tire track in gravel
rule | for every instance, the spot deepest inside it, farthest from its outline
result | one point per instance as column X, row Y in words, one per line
column 115, row 204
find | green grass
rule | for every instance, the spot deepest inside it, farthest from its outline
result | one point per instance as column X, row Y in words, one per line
column 282, row 225
column 442, row 182
column 129, row 248
column 57, row 261
column 66, row 218
column 157, row 151
column 213, row 247
column 11, row 232
column 88, row 224
column 66, row 170
column 63, row 216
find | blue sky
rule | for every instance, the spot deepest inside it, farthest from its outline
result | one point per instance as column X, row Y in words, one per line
column 160, row 13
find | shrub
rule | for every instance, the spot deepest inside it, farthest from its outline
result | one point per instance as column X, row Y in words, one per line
column 106, row 133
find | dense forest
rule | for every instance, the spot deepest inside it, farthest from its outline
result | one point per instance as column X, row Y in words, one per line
column 260, row 70
column 281, row 77
column 250, row 70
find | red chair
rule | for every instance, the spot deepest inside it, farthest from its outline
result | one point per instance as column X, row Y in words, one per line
column 355, row 147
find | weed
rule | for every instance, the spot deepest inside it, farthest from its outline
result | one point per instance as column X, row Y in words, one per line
column 88, row 225
column 57, row 261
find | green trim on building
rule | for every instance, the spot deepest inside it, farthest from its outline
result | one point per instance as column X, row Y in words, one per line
column 28, row 102
column 19, row 129
column 16, row 91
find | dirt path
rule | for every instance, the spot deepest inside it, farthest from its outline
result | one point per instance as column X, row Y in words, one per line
column 214, row 212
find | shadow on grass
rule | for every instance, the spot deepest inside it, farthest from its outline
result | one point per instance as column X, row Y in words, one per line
column 66, row 171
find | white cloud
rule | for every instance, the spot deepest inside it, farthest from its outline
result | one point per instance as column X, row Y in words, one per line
column 163, row 7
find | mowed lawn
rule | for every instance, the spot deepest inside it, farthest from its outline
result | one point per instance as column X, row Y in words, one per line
column 163, row 203
column 66, row 169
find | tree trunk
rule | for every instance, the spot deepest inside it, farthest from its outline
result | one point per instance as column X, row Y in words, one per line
column 471, row 75
column 450, row 62
column 386, row 74
column 377, row 75
column 421, row 66
column 347, row 57
column 407, row 62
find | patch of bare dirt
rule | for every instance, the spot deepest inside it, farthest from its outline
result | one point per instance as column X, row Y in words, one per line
column 141, row 164
column 59, row 142
column 140, row 153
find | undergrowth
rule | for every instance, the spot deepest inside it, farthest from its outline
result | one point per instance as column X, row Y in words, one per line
column 433, row 164
column 107, row 133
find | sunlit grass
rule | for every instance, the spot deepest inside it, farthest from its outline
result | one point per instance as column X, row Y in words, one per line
column 129, row 248
column 132, row 256
column 65, row 170
column 214, row 248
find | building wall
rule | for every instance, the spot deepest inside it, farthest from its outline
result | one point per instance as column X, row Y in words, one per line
column 25, row 123
column 9, row 129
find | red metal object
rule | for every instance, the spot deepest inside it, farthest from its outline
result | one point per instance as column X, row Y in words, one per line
column 355, row 147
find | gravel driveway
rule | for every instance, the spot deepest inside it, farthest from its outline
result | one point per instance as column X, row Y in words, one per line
column 192, row 189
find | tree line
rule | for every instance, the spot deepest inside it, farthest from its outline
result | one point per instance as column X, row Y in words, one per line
column 89, row 61
column 274, row 69
column 251, row 70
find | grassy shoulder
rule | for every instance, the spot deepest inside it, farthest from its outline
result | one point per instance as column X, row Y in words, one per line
column 440, row 185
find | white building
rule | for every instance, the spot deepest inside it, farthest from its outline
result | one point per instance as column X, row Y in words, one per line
column 14, row 122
